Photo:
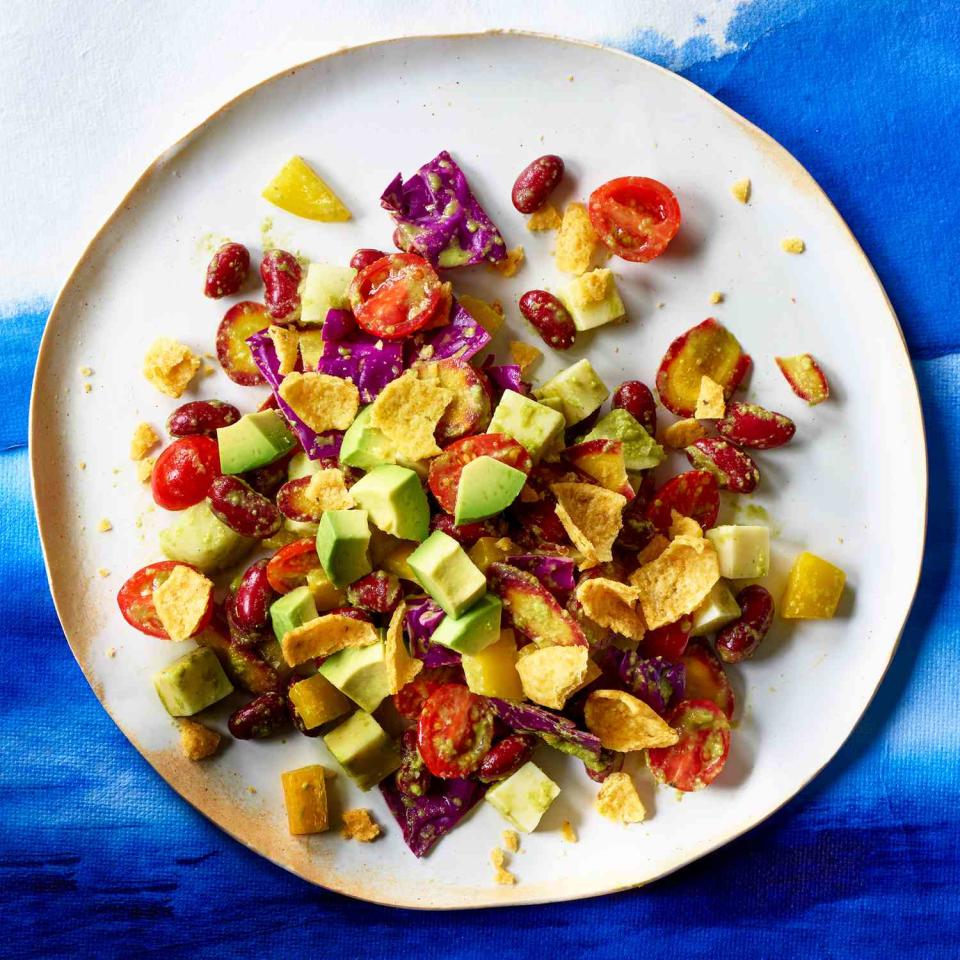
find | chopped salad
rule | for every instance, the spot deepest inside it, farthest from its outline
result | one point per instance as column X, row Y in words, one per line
column 411, row 549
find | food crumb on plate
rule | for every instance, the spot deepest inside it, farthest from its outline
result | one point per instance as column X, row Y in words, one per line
column 716, row 297
column 567, row 832
column 618, row 800
column 86, row 372
column 511, row 840
column 144, row 439
column 103, row 572
column 741, row 190
column 104, row 526
column 145, row 469
column 792, row 245
column 546, row 218
column 359, row 825
column 500, row 874
column 87, row 387
column 82, row 464
column 197, row 741
column 510, row 264
column 111, row 652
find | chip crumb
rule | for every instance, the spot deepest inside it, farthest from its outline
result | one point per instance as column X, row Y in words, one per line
column 104, row 526
column 618, row 800
column 576, row 240
column 251, row 789
column 525, row 355
column 792, row 245
column 209, row 356
column 170, row 366
column 511, row 840
column 286, row 343
column 567, row 832
column 111, row 652
column 328, row 489
column 143, row 441
column 86, row 372
column 681, row 434
column 592, row 288
column 103, row 572
column 711, row 403
column 741, row 190
column 401, row 668
column 197, row 741
column 716, row 297
column 661, row 305
column 546, row 218
column 145, row 469
column 82, row 464
column 500, row 874
column 208, row 371
column 359, row 825
column 681, row 526
column 87, row 387
column 510, row 264
column 182, row 601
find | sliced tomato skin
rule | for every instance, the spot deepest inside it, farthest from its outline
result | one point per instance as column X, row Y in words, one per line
column 705, row 677
column 287, row 569
column 135, row 599
column 454, row 732
column 410, row 699
column 636, row 217
column 694, row 494
column 395, row 296
column 445, row 470
column 669, row 641
column 697, row 758
column 184, row 472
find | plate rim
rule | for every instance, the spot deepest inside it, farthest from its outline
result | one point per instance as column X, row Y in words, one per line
column 781, row 154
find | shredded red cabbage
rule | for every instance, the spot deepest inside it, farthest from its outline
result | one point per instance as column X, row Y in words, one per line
column 422, row 619
column 555, row 573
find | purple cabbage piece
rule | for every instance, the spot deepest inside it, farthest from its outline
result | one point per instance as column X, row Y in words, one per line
column 506, row 376
column 439, row 218
column 656, row 681
column 368, row 362
column 422, row 619
column 339, row 324
column 558, row 732
column 462, row 338
column 555, row 573
column 265, row 357
column 424, row 820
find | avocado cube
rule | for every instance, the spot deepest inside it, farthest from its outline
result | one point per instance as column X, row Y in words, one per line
column 200, row 538
column 718, row 608
column 579, row 389
column 305, row 797
column 493, row 671
column 524, row 797
column 363, row 445
column 192, row 683
column 394, row 498
column 363, row 749
column 446, row 572
column 360, row 673
column 317, row 701
column 487, row 486
column 531, row 424
column 325, row 287
column 292, row 610
column 640, row 450
column 474, row 630
column 254, row 441
column 743, row 550
column 342, row 540
column 592, row 299
column 301, row 465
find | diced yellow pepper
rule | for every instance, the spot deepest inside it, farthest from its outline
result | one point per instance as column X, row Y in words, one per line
column 493, row 671
column 317, row 701
column 325, row 595
column 305, row 796
column 813, row 589
column 299, row 190
column 486, row 551
column 486, row 315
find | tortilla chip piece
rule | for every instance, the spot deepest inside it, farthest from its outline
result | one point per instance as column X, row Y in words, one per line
column 401, row 667
column 711, row 404
column 677, row 582
column 329, row 490
column 653, row 549
column 546, row 218
column 619, row 801
column 551, row 674
column 311, row 349
column 681, row 526
column 181, row 601
column 197, row 741
column 407, row 412
column 144, row 439
column 145, row 469
column 325, row 635
column 524, row 355
column 359, row 825
column 286, row 341
column 170, row 366
column 682, row 433
column 576, row 240
column 624, row 723
column 592, row 517
column 510, row 264
column 322, row 402
column 612, row 604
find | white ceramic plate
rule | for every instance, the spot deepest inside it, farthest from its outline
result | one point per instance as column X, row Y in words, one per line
column 852, row 487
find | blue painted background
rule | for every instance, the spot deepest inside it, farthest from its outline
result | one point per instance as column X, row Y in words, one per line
column 99, row 858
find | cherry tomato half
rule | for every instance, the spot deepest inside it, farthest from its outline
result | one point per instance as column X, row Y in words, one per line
column 454, row 732
column 287, row 569
column 636, row 217
column 694, row 494
column 668, row 641
column 705, row 677
column 410, row 699
column 395, row 296
column 135, row 599
column 184, row 471
column 697, row 758
column 445, row 470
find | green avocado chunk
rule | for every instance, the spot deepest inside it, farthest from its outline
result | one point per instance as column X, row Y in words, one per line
column 473, row 631
column 533, row 425
column 363, row 749
column 360, row 673
column 640, row 450
column 363, row 445
column 342, row 541
column 524, row 797
column 192, row 683
column 446, row 572
column 254, row 441
column 486, row 487
column 202, row 539
column 579, row 388
column 293, row 609
column 394, row 498
column 325, row 287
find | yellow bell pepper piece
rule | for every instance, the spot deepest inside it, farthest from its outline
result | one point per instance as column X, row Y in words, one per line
column 305, row 796
column 317, row 701
column 484, row 313
column 325, row 595
column 493, row 671
column 813, row 589
column 486, row 551
column 299, row 190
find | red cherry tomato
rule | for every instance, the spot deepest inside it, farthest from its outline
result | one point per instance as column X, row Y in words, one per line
column 444, row 476
column 395, row 296
column 705, row 677
column 287, row 569
column 696, row 759
column 454, row 732
column 136, row 599
column 410, row 699
column 669, row 641
column 694, row 494
column 184, row 471
column 636, row 217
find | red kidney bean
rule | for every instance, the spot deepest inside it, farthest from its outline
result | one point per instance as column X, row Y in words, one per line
column 201, row 417
column 739, row 640
column 243, row 638
column 536, row 182
column 281, row 274
column 262, row 717
column 243, row 665
column 637, row 399
column 253, row 596
column 295, row 717
column 637, row 531
column 413, row 777
column 243, row 509
column 749, row 425
column 353, row 612
column 378, row 592
column 550, row 318
column 467, row 534
column 506, row 757
column 613, row 764
column 267, row 480
column 294, row 504
column 364, row 257
column 733, row 469
column 227, row 271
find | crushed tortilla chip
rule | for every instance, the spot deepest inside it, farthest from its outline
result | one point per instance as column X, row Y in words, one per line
column 488, row 315
column 591, row 288
column 328, row 490
column 311, row 348
column 612, row 604
column 677, row 582
column 511, row 840
column 143, row 441
column 741, row 190
column 625, row 723
column 104, row 526
column 619, row 801
column 576, row 240
column 286, row 341
column 682, row 433
column 711, row 404
column 407, row 412
column 500, row 873
column 792, row 245
column 510, row 264
column 323, row 636
column 592, row 517
column 567, row 832
column 681, row 526
column 653, row 549
column 401, row 667
column 170, row 366
column 551, row 674
column 145, row 469
column 197, row 741
column 182, row 601
column 322, row 402
column 359, row 825
column 524, row 355
column 546, row 218
column 716, row 297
